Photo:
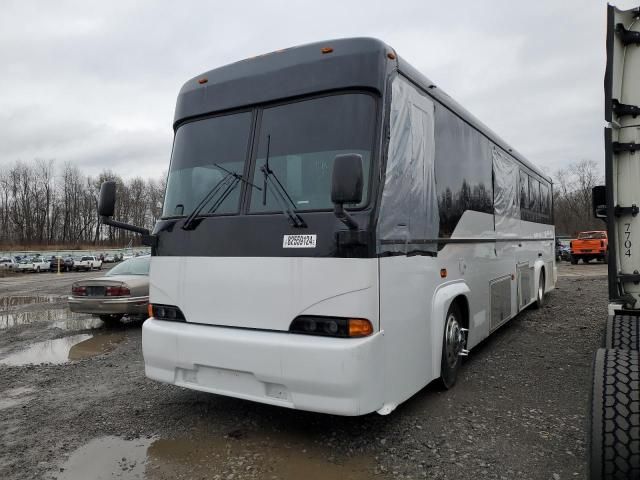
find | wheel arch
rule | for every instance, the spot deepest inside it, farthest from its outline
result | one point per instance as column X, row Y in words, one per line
column 443, row 298
column 538, row 267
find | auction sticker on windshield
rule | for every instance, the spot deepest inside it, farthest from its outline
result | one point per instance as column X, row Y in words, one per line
column 299, row 241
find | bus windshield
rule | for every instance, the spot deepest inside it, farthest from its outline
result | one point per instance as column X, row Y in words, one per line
column 200, row 148
column 304, row 138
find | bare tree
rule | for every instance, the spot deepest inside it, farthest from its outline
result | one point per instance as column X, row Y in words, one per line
column 41, row 205
column 572, row 198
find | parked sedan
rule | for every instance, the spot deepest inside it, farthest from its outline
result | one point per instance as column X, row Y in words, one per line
column 124, row 290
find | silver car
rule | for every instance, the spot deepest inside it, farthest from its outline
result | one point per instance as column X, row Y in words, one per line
column 124, row 290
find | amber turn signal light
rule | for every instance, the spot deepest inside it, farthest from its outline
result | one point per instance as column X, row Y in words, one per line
column 359, row 327
column 150, row 310
column 326, row 50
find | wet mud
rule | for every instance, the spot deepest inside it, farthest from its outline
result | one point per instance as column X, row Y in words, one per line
column 63, row 350
column 247, row 456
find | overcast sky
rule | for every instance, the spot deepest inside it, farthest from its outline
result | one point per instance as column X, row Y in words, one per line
column 95, row 82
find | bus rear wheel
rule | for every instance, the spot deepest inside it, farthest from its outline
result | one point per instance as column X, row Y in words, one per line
column 540, row 292
column 452, row 345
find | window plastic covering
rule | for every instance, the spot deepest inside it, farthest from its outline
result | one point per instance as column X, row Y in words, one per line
column 505, row 192
column 409, row 219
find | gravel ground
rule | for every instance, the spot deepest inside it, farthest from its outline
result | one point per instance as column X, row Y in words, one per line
column 518, row 411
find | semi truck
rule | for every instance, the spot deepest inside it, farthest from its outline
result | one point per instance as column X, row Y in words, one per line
column 614, row 426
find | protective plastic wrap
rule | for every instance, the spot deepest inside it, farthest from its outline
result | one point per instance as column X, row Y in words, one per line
column 409, row 219
column 505, row 192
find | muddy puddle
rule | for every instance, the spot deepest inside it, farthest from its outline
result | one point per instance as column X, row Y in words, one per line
column 62, row 350
column 78, row 322
column 17, row 310
column 212, row 457
column 22, row 300
column 60, row 317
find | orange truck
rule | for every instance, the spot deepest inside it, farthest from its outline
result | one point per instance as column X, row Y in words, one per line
column 590, row 245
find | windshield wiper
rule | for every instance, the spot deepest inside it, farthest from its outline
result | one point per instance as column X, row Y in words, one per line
column 187, row 225
column 281, row 194
column 228, row 184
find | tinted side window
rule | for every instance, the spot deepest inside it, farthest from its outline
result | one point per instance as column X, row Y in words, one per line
column 524, row 190
column 463, row 166
column 534, row 195
column 545, row 200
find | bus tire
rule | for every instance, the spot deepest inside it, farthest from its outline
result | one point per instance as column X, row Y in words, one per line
column 622, row 332
column 451, row 346
column 614, row 421
column 540, row 293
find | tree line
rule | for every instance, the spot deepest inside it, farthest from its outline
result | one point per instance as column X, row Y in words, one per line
column 572, row 186
column 42, row 203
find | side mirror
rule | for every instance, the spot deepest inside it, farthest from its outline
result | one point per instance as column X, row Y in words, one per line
column 107, row 201
column 346, row 186
column 599, row 201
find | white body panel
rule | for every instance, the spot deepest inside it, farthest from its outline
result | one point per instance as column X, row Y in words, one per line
column 265, row 293
column 626, row 169
column 404, row 297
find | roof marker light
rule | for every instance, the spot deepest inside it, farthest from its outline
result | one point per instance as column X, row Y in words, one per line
column 202, row 80
column 391, row 55
column 326, row 50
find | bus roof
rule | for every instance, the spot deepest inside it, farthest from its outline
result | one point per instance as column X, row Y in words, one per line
column 292, row 72
column 306, row 69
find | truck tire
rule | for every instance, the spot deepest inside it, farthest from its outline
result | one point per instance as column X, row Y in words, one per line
column 574, row 260
column 622, row 332
column 614, row 422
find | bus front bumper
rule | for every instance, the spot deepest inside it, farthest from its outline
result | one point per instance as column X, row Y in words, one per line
column 330, row 375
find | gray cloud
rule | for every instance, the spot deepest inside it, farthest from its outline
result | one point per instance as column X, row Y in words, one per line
column 95, row 82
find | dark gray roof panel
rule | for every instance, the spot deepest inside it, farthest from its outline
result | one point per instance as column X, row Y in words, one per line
column 354, row 62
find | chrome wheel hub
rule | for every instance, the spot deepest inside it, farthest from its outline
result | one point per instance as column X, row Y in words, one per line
column 454, row 340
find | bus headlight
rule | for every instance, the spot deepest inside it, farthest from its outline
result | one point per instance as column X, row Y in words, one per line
column 331, row 326
column 169, row 313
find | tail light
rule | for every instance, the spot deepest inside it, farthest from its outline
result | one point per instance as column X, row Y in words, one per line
column 79, row 291
column 331, row 326
column 169, row 313
column 120, row 291
column 601, row 243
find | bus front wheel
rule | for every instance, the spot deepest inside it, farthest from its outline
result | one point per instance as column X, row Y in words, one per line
column 452, row 346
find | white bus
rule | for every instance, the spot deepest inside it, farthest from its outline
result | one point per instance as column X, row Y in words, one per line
column 337, row 232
